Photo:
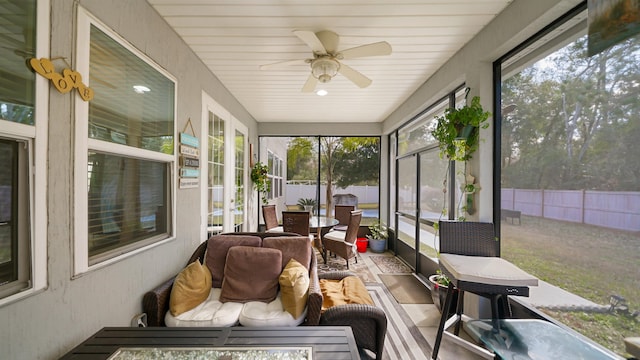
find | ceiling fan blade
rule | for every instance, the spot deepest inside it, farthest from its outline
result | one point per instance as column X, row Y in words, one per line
column 310, row 85
column 329, row 40
column 375, row 49
column 283, row 63
column 355, row 76
column 310, row 38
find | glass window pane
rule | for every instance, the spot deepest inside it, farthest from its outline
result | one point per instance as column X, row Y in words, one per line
column 128, row 201
column 134, row 103
column 215, row 218
column 569, row 178
column 8, row 218
column 17, row 44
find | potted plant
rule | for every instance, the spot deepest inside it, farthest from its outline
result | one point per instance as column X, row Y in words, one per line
column 308, row 204
column 259, row 173
column 439, row 284
column 378, row 234
column 457, row 130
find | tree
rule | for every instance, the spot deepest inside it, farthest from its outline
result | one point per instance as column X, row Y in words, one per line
column 344, row 161
column 576, row 121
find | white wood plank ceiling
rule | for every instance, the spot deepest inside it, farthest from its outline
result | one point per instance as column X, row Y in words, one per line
column 234, row 37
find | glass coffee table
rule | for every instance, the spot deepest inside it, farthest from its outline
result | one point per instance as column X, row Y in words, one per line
column 522, row 339
column 222, row 353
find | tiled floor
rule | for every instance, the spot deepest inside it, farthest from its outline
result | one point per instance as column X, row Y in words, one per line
column 426, row 317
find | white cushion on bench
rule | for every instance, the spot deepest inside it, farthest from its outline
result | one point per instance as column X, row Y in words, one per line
column 486, row 270
column 210, row 312
column 213, row 313
column 256, row 313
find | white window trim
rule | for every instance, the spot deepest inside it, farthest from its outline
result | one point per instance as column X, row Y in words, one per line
column 38, row 145
column 83, row 144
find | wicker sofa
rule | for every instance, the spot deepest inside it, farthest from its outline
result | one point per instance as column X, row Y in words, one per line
column 156, row 302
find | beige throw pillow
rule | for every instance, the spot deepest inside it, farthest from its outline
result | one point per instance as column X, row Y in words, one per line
column 190, row 288
column 294, row 288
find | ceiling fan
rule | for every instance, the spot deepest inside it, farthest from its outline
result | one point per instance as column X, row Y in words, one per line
column 326, row 62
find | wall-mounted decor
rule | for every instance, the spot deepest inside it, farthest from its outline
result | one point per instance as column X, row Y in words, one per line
column 189, row 158
column 610, row 22
column 63, row 82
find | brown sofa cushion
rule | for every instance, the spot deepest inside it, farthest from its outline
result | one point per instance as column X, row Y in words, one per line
column 294, row 288
column 190, row 288
column 217, row 248
column 251, row 274
column 292, row 247
column 349, row 290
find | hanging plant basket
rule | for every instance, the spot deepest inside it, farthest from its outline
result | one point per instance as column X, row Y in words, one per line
column 457, row 130
column 259, row 176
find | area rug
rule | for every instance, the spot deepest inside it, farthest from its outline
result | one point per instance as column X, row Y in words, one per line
column 407, row 289
column 390, row 264
column 338, row 264
column 403, row 340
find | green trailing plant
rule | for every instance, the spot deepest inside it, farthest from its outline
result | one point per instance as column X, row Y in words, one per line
column 259, row 176
column 441, row 279
column 457, row 130
column 378, row 230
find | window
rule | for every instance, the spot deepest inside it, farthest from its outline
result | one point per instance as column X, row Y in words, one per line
column 275, row 175
column 568, row 157
column 23, row 144
column 125, row 162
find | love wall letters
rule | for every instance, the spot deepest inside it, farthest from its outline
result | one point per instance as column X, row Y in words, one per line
column 65, row 82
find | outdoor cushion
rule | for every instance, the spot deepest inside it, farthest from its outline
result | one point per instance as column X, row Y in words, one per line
column 251, row 274
column 292, row 247
column 269, row 314
column 217, row 248
column 486, row 270
column 210, row 312
column 294, row 288
column 190, row 288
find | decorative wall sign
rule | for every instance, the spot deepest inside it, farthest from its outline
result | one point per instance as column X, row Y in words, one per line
column 189, row 161
column 187, row 183
column 189, row 151
column 65, row 82
column 610, row 22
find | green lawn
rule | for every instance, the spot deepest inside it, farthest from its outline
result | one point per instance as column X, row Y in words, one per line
column 592, row 262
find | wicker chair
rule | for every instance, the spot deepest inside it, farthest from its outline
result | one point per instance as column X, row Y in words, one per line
column 368, row 322
column 343, row 243
column 271, row 218
column 342, row 214
column 297, row 222
column 476, row 240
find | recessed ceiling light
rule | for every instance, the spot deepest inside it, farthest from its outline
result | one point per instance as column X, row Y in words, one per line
column 322, row 92
column 140, row 89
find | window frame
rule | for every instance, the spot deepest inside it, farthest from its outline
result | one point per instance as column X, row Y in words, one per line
column 35, row 136
column 84, row 144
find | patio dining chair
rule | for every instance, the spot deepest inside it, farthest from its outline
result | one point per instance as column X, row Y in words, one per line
column 343, row 243
column 271, row 218
column 342, row 213
column 297, row 222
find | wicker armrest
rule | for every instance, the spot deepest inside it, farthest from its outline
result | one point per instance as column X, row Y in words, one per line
column 335, row 275
column 155, row 303
column 314, row 303
column 368, row 322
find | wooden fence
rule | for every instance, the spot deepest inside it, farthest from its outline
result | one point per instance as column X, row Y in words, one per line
column 612, row 209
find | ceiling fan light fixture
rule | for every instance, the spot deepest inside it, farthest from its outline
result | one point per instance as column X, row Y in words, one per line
column 324, row 69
